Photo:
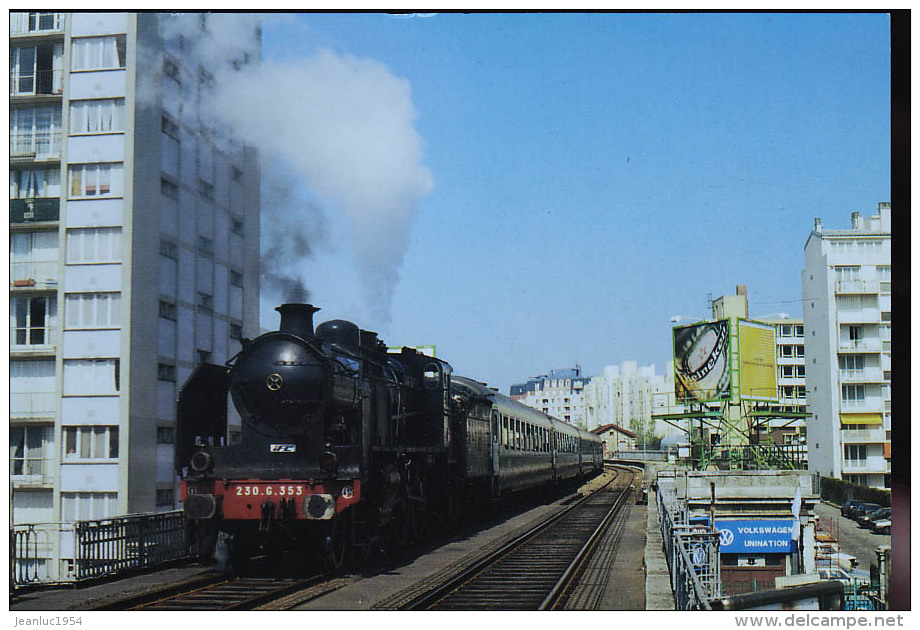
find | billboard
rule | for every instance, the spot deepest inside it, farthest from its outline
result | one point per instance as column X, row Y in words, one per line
column 702, row 362
column 757, row 361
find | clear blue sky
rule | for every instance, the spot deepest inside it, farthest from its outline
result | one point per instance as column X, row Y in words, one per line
column 592, row 175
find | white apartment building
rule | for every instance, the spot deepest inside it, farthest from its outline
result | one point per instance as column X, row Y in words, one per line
column 628, row 395
column 559, row 394
column 790, row 379
column 846, row 291
column 134, row 255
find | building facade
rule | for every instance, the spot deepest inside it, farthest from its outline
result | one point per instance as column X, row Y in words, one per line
column 628, row 395
column 134, row 255
column 846, row 290
column 790, row 381
column 559, row 394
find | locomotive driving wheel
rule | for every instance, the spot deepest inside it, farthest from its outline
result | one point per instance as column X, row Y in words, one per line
column 334, row 545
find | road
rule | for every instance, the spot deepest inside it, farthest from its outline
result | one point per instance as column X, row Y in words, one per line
column 853, row 540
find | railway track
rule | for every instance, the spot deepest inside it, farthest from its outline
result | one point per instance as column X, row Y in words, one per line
column 536, row 570
column 217, row 592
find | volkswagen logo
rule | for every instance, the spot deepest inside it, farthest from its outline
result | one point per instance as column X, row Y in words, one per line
column 726, row 537
column 274, row 382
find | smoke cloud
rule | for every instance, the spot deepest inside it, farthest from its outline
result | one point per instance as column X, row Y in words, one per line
column 341, row 126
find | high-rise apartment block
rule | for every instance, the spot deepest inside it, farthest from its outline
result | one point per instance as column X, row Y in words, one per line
column 559, row 394
column 846, row 290
column 628, row 395
column 134, row 255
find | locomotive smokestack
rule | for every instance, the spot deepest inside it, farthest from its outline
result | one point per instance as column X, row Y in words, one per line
column 297, row 319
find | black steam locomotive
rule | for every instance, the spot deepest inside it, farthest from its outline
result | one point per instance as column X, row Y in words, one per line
column 346, row 447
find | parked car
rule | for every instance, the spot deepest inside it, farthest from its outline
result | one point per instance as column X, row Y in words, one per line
column 848, row 506
column 882, row 526
column 866, row 519
column 865, row 508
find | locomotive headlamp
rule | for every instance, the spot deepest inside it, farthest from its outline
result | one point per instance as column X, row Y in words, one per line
column 201, row 462
column 327, row 461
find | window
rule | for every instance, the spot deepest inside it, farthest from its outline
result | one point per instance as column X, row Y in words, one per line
column 171, row 69
column 169, row 249
column 886, row 316
column 166, row 435
column 28, row 445
column 87, row 506
column 236, row 173
column 98, row 53
column 170, row 128
column 883, row 272
column 785, row 351
column 97, row 116
column 854, row 451
column 92, row 310
column 32, row 320
column 855, row 333
column 169, row 188
column 166, row 372
column 91, row 377
column 852, row 362
column 205, row 189
column 205, row 302
column 236, row 278
column 33, row 255
column 90, row 442
column 35, row 131
column 800, row 330
column 204, row 356
column 38, row 183
column 205, row 247
column 93, row 245
column 787, row 371
column 164, row 498
column 847, row 272
column 36, row 69
column 93, row 180
column 168, row 310
column 785, row 330
column 853, row 395
column 236, row 225
column 236, row 331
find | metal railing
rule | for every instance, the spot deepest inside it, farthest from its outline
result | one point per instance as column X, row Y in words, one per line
column 32, row 404
column 35, row 209
column 32, row 338
column 35, row 23
column 83, row 550
column 37, row 145
column 692, row 552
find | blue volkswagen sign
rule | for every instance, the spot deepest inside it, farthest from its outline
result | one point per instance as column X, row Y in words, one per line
column 767, row 536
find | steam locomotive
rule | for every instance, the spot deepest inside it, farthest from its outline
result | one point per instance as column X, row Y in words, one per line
column 344, row 448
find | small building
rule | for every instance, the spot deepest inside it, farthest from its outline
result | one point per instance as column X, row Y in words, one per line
column 616, row 438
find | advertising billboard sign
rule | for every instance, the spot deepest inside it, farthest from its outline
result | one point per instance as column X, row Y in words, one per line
column 702, row 362
column 755, row 536
column 757, row 361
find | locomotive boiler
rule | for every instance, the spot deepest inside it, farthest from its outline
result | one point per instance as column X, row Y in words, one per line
column 342, row 447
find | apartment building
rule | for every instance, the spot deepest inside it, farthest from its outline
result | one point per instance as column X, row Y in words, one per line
column 559, row 394
column 134, row 255
column 846, row 291
column 790, row 381
column 628, row 395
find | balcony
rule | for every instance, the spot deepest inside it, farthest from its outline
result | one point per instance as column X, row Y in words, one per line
column 35, row 210
column 860, row 345
column 32, row 405
column 872, row 464
column 40, row 145
column 865, row 375
column 35, row 23
column 863, row 436
column 34, row 274
column 33, row 340
column 856, row 286
column 862, row 316
column 867, row 405
column 31, row 472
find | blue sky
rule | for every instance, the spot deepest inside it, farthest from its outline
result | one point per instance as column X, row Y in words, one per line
column 592, row 175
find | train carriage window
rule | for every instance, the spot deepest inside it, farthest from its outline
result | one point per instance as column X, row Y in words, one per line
column 494, row 427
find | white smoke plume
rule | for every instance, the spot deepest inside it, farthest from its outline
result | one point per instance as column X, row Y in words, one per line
column 343, row 126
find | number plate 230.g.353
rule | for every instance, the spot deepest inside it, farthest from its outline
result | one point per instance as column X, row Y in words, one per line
column 273, row 490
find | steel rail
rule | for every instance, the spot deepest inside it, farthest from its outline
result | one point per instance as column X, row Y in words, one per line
column 431, row 597
column 553, row 598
